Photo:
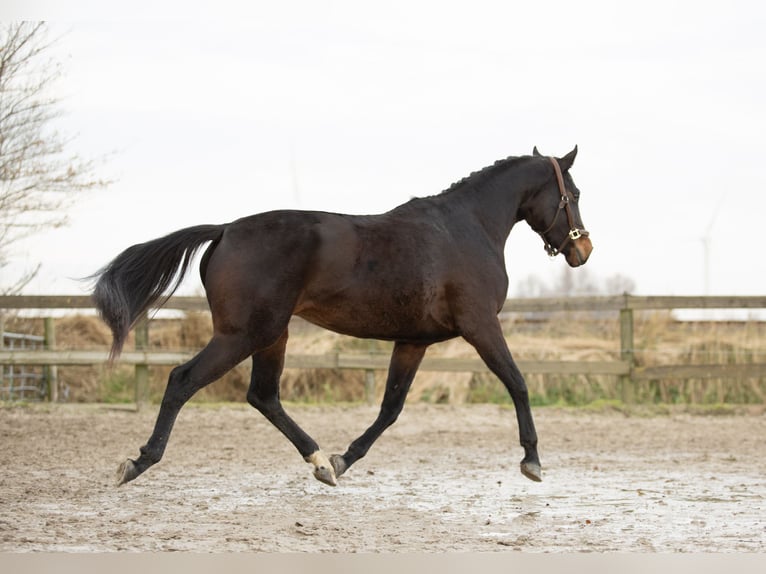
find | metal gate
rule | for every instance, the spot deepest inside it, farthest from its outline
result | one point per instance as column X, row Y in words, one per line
column 22, row 382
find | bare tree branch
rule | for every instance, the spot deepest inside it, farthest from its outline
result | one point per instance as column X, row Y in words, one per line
column 38, row 180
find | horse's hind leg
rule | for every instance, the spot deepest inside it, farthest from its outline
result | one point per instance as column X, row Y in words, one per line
column 264, row 396
column 220, row 355
column 405, row 361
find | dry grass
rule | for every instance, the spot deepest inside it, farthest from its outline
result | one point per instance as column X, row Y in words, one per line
column 659, row 339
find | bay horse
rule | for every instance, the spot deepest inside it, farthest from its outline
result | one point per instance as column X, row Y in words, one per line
column 428, row 270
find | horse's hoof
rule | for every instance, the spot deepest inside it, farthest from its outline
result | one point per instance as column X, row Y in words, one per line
column 323, row 469
column 532, row 471
column 338, row 464
column 126, row 472
column 326, row 475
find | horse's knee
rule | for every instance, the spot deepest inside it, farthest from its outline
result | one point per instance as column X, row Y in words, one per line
column 517, row 388
column 260, row 403
column 253, row 401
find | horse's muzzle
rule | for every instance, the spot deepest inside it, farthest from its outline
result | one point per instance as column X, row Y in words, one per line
column 579, row 251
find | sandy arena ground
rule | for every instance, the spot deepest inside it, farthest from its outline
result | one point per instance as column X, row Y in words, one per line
column 443, row 478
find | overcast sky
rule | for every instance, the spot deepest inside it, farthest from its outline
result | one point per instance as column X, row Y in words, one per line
column 358, row 106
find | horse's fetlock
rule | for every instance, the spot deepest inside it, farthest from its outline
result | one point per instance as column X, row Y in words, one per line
column 150, row 455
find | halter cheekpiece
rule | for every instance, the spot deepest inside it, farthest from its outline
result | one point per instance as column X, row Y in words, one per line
column 566, row 198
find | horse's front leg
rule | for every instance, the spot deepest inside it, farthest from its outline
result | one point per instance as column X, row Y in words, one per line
column 405, row 361
column 264, row 396
column 490, row 343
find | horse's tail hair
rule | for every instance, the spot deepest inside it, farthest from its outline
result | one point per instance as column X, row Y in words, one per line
column 139, row 276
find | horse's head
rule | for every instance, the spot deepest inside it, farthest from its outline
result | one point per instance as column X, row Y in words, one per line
column 553, row 211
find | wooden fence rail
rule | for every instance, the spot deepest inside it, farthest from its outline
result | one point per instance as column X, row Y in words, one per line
column 516, row 305
column 623, row 305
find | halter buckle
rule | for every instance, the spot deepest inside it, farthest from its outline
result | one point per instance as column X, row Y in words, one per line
column 574, row 234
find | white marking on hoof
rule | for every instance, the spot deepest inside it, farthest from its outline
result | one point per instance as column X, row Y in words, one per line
column 323, row 469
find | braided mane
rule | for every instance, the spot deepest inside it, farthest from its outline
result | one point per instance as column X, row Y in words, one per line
column 481, row 175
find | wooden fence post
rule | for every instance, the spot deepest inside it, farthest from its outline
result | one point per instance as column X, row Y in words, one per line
column 142, row 369
column 627, row 350
column 51, row 371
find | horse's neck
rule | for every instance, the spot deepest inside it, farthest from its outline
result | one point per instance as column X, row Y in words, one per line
column 496, row 202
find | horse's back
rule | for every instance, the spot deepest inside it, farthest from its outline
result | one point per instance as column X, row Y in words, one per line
column 388, row 276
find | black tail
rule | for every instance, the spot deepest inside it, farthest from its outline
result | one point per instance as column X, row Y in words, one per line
column 141, row 274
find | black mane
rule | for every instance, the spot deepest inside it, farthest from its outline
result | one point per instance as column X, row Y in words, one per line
column 478, row 177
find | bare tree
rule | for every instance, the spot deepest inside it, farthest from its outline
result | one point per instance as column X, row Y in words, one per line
column 574, row 282
column 38, row 179
column 618, row 284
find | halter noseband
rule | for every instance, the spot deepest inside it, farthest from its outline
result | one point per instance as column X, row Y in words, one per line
column 566, row 197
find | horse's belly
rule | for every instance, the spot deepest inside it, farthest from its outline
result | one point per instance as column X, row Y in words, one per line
column 390, row 319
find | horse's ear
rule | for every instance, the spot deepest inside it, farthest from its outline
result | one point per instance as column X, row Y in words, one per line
column 567, row 161
column 535, row 152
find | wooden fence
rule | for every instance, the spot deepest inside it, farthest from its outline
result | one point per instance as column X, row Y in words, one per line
column 622, row 305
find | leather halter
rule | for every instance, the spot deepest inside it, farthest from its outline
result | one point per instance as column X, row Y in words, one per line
column 566, row 198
